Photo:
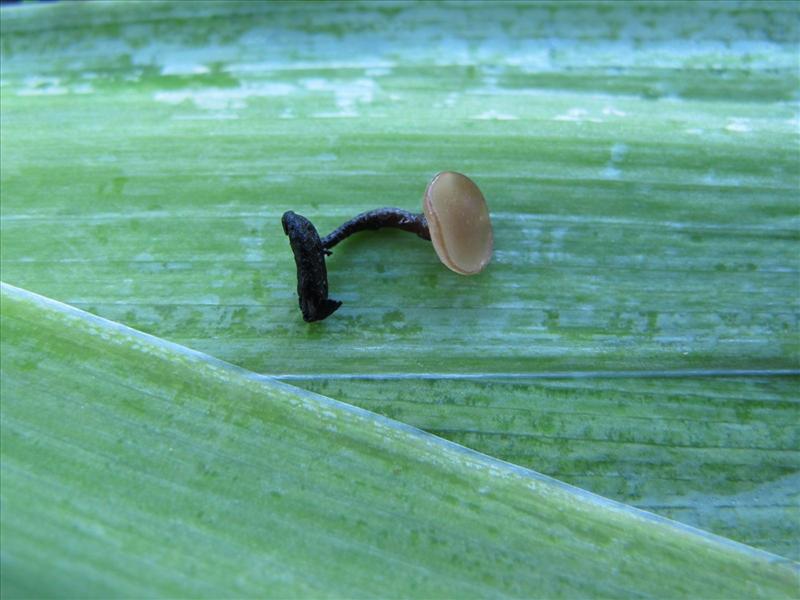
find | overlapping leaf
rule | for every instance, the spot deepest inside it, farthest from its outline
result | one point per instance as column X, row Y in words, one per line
column 133, row 467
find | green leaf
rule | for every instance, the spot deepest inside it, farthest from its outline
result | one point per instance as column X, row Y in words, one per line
column 639, row 159
column 720, row 453
column 136, row 467
column 150, row 151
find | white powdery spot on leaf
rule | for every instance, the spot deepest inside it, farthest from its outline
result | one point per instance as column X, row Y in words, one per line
column 613, row 112
column 738, row 125
column 46, row 91
column 225, row 98
column 710, row 178
column 184, row 69
column 57, row 90
column 618, row 151
column 215, row 116
column 36, row 85
column 34, row 81
column 347, row 94
column 577, row 115
column 82, row 88
column 253, row 247
column 493, row 115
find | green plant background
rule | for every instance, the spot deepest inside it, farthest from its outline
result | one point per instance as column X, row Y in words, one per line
column 637, row 332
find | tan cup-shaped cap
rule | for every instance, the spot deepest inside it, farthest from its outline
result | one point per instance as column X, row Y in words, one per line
column 459, row 223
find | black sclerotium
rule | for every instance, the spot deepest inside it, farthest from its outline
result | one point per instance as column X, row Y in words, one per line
column 310, row 251
column 312, row 276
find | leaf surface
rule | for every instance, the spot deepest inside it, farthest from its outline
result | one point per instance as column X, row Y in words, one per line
column 640, row 161
column 150, row 151
column 214, row 481
column 719, row 453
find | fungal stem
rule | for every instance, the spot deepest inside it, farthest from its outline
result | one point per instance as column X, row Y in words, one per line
column 377, row 219
column 312, row 276
column 310, row 251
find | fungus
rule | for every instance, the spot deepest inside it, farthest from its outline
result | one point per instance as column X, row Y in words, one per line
column 455, row 218
column 459, row 223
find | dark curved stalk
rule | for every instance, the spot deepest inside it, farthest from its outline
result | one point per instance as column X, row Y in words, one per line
column 310, row 251
column 377, row 219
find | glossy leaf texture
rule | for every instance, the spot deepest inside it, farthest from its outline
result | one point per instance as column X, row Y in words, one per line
column 639, row 160
column 136, row 467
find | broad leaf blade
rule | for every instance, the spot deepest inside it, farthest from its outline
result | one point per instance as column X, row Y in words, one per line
column 641, row 164
column 719, row 453
column 148, row 153
column 172, row 474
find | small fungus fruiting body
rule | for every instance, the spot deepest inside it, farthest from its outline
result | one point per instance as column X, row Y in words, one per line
column 459, row 223
column 455, row 218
